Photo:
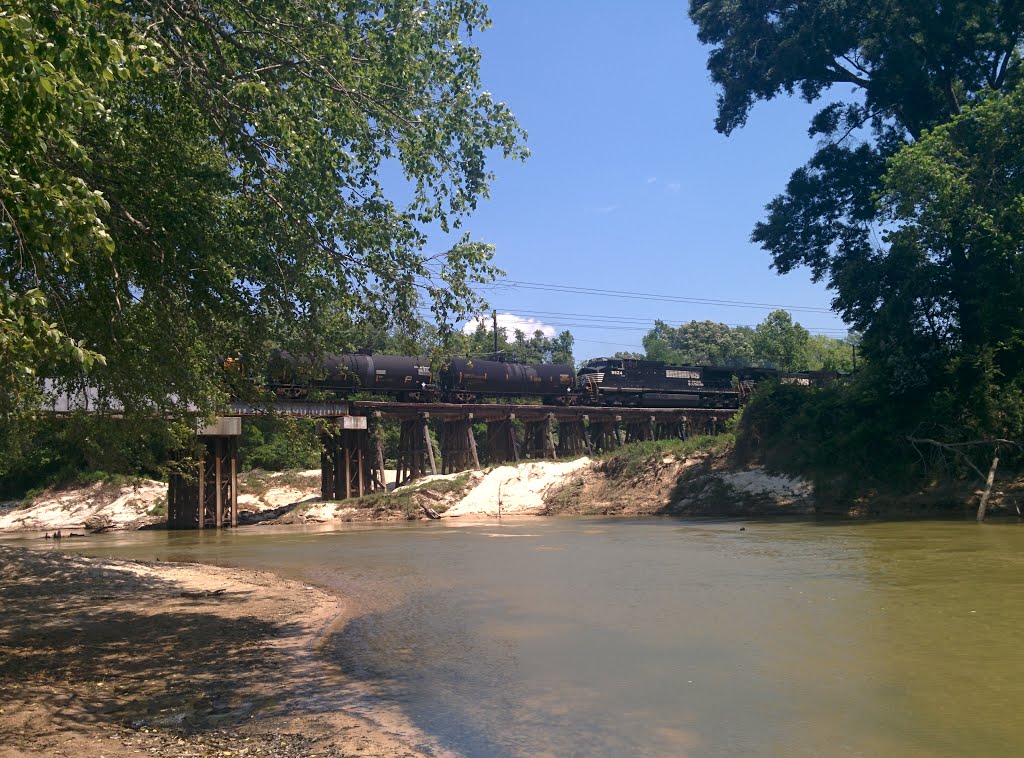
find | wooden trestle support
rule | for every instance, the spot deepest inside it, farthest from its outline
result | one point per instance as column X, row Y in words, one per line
column 641, row 429
column 347, row 459
column 539, row 441
column 579, row 431
column 573, row 438
column 502, row 446
column 605, row 434
column 415, row 450
column 208, row 497
column 458, row 445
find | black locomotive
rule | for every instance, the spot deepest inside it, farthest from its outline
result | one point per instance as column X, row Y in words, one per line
column 601, row 382
column 655, row 384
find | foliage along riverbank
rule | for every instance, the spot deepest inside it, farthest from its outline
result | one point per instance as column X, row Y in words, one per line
column 723, row 476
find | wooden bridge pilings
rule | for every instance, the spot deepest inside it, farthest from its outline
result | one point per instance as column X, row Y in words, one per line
column 208, row 496
column 517, row 432
column 347, row 459
column 352, row 458
column 458, row 445
column 502, row 445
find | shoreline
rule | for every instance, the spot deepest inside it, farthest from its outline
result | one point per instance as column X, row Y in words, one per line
column 662, row 480
column 115, row 658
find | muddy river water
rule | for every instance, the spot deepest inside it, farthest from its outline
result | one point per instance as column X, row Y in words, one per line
column 581, row 637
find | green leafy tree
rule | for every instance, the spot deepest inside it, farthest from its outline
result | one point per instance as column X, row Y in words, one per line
column 892, row 70
column 535, row 349
column 829, row 354
column 184, row 180
column 780, row 343
column 953, row 282
column 60, row 63
column 701, row 343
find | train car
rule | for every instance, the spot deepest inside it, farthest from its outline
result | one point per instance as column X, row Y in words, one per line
column 654, row 384
column 809, row 378
column 469, row 380
column 408, row 378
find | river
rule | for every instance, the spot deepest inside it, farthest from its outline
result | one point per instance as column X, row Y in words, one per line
column 587, row 637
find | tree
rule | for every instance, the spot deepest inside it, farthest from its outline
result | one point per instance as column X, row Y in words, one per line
column 829, row 354
column 911, row 67
column 185, row 180
column 701, row 343
column 780, row 343
column 535, row 349
column 59, row 64
column 953, row 281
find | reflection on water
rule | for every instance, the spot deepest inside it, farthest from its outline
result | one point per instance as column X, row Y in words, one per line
column 659, row 637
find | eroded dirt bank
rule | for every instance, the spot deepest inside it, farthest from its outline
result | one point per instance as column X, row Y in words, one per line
column 713, row 485
column 661, row 479
column 699, row 484
column 115, row 658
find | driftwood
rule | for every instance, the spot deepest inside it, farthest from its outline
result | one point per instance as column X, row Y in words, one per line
column 958, row 449
column 203, row 593
column 431, row 513
column 988, row 488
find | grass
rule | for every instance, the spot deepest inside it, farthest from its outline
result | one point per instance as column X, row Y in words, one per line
column 159, row 508
column 403, row 499
column 633, row 459
column 259, row 482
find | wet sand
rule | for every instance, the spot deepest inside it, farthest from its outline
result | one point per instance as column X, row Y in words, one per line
column 122, row 658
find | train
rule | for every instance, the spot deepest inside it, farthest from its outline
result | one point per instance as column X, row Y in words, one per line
column 605, row 382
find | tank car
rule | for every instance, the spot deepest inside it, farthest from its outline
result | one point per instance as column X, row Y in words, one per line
column 468, row 380
column 408, row 378
column 654, row 384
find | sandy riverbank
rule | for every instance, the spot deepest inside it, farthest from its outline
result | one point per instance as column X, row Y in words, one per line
column 118, row 658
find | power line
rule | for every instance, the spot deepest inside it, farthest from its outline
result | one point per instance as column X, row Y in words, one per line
column 597, row 319
column 632, row 295
column 614, row 326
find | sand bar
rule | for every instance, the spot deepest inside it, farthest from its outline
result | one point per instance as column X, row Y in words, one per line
column 123, row 658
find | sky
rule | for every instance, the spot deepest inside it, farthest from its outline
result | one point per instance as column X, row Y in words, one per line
column 629, row 188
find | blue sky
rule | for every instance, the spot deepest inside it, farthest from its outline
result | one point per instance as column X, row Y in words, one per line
column 629, row 187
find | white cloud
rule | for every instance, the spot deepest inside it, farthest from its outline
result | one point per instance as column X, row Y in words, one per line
column 652, row 179
column 674, row 186
column 603, row 209
column 511, row 322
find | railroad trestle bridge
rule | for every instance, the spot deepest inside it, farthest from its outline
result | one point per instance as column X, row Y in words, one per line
column 352, row 454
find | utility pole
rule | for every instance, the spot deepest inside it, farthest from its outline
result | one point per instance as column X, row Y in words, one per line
column 494, row 317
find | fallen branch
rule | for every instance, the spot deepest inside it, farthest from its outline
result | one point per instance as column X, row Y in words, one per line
column 988, row 487
column 957, row 449
column 203, row 593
